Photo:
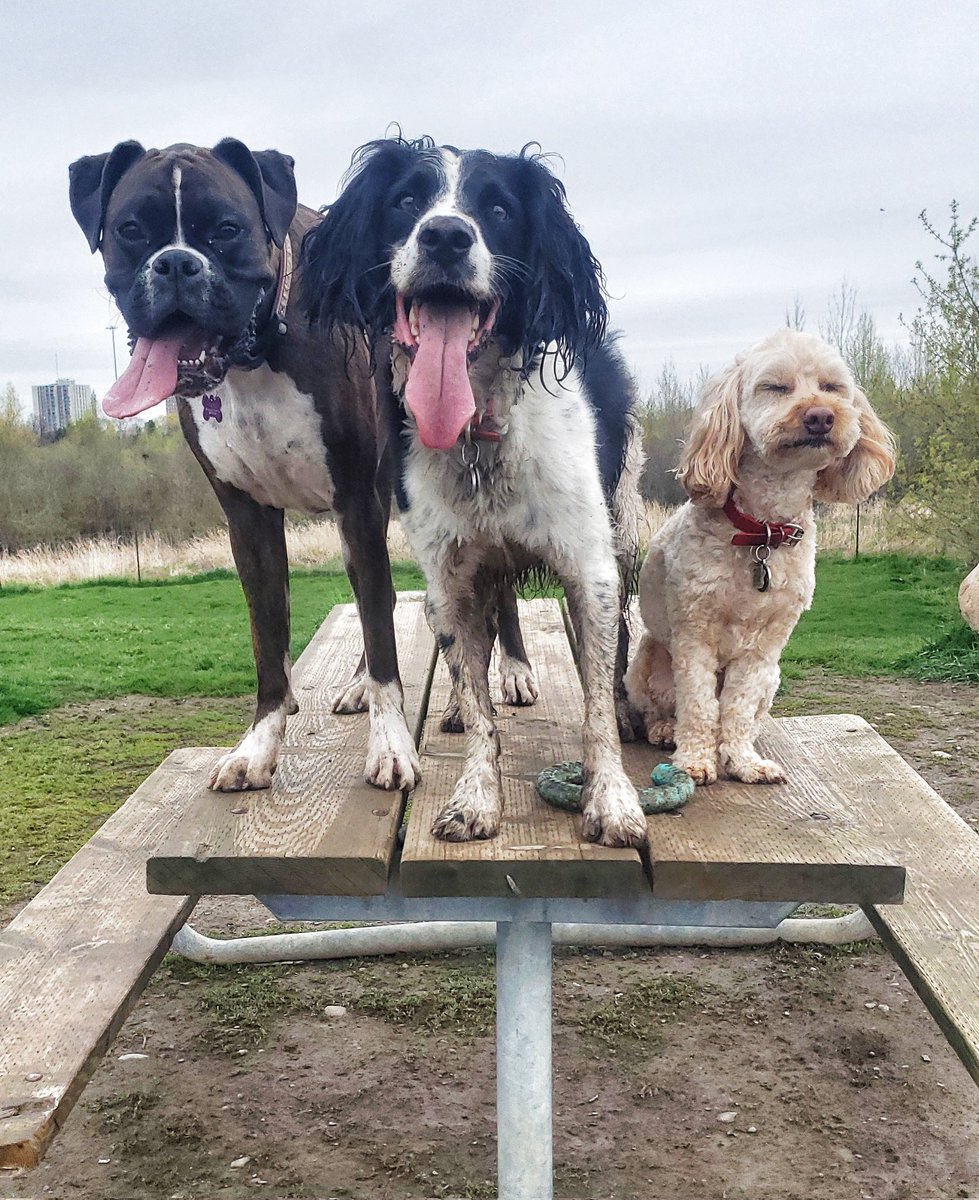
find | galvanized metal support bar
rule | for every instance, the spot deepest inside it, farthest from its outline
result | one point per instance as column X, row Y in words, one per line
column 524, row 1120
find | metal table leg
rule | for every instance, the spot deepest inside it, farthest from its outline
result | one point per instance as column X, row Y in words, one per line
column 523, row 1061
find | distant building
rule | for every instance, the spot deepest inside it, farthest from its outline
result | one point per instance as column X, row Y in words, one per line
column 58, row 404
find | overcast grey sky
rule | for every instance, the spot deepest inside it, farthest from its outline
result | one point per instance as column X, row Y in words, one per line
column 722, row 158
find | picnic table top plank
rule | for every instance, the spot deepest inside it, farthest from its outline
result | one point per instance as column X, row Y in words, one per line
column 538, row 848
column 74, row 960
column 320, row 829
column 934, row 934
column 809, row 839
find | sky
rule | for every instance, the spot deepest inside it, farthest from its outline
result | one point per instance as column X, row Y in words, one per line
column 725, row 159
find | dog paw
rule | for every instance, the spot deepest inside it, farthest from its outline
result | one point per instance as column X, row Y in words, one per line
column 517, row 681
column 451, row 720
column 353, row 698
column 702, row 769
column 240, row 771
column 752, row 768
column 392, row 760
column 473, row 812
column 661, row 733
column 629, row 721
column 611, row 813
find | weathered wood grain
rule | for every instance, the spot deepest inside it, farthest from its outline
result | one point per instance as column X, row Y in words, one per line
column 74, row 960
column 538, row 848
column 809, row 839
column 320, row 829
column 934, row 934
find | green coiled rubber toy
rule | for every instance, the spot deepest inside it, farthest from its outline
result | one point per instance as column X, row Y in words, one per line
column 561, row 786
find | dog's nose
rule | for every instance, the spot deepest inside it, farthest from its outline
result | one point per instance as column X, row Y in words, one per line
column 818, row 421
column 177, row 262
column 446, row 239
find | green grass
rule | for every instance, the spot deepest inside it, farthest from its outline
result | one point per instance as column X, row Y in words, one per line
column 887, row 614
column 61, row 775
column 181, row 637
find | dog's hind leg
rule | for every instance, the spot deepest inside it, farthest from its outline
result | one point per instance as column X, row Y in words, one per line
column 258, row 544
column 517, row 680
column 649, row 684
column 392, row 758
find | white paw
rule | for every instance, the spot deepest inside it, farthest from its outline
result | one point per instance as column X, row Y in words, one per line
column 750, row 767
column 392, row 760
column 611, row 813
column 700, row 765
column 517, row 681
column 353, row 698
column 250, row 765
column 660, row 733
column 474, row 810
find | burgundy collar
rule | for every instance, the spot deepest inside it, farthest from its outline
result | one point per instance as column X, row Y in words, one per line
column 759, row 533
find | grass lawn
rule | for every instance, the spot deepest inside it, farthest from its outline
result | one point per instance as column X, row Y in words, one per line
column 186, row 642
column 182, row 637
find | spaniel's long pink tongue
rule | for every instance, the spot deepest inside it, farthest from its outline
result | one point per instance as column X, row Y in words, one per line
column 438, row 391
column 150, row 377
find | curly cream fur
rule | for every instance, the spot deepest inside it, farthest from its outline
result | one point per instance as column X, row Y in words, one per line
column 706, row 670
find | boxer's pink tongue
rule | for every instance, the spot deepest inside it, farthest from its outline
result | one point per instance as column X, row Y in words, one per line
column 438, row 391
column 150, row 377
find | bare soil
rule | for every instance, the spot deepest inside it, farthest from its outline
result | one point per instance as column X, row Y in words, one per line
column 840, row 1084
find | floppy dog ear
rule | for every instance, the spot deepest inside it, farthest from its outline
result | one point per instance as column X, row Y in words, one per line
column 866, row 468
column 343, row 277
column 564, row 294
column 709, row 464
column 270, row 176
column 91, row 181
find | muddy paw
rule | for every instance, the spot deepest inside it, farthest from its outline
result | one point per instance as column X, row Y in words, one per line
column 517, row 681
column 754, row 769
column 451, row 721
column 241, row 772
column 393, row 768
column 702, row 771
column 661, row 734
column 611, row 814
column 353, row 698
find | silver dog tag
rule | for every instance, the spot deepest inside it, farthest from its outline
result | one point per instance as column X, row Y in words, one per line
column 761, row 576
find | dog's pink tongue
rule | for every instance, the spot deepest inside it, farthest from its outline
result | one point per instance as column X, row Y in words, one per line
column 150, row 377
column 438, row 391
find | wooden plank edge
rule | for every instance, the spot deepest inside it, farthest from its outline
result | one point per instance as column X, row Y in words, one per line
column 967, row 1051
column 272, row 876
column 25, row 1138
column 811, row 883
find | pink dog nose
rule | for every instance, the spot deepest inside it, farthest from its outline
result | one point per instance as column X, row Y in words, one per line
column 818, row 421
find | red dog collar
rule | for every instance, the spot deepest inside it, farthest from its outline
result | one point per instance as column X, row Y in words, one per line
column 759, row 533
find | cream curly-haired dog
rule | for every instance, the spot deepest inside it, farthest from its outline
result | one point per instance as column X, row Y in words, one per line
column 728, row 575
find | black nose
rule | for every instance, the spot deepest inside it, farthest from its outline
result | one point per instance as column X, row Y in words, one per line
column 177, row 262
column 446, row 239
column 818, row 421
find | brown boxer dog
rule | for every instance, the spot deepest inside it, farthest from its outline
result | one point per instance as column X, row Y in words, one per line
column 200, row 250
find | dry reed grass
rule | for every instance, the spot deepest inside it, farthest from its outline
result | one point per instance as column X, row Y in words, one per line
column 883, row 528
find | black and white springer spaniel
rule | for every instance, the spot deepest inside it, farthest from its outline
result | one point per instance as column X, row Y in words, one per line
column 512, row 420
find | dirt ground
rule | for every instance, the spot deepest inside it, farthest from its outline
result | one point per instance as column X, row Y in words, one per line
column 775, row 1074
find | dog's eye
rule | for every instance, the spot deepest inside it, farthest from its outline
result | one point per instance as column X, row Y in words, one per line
column 780, row 389
column 500, row 212
column 407, row 202
column 130, row 231
column 225, row 232
column 831, row 387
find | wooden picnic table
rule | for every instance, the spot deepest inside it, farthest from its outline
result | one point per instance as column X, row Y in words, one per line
column 321, row 844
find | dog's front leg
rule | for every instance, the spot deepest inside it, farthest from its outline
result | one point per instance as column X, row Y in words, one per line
column 697, row 710
column 750, row 684
column 465, row 637
column 611, row 812
column 392, row 759
column 258, row 543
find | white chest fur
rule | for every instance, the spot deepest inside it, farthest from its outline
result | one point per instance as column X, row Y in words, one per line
column 268, row 442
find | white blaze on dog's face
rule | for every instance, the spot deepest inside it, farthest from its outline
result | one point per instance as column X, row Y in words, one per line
column 799, row 400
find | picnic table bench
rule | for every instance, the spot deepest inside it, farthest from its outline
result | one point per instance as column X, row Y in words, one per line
column 855, row 825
